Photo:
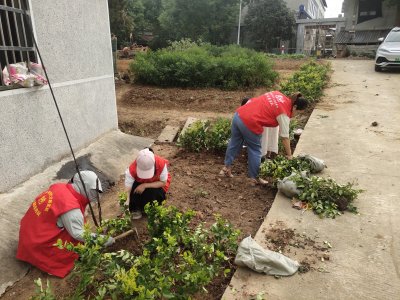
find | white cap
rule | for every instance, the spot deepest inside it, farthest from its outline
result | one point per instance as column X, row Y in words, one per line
column 145, row 164
column 91, row 180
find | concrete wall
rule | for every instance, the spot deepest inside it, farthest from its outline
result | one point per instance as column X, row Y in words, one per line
column 74, row 40
column 390, row 16
column 305, row 43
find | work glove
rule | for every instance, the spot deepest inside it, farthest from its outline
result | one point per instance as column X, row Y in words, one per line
column 109, row 242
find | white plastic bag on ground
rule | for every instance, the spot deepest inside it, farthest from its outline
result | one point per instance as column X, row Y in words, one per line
column 317, row 165
column 252, row 255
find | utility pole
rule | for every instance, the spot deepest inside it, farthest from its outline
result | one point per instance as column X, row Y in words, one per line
column 240, row 17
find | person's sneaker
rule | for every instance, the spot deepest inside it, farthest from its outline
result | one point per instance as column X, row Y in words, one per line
column 136, row 215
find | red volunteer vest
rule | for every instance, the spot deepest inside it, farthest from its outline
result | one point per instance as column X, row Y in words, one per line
column 262, row 111
column 39, row 231
column 159, row 164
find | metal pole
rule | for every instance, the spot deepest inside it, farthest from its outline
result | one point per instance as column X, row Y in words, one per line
column 240, row 17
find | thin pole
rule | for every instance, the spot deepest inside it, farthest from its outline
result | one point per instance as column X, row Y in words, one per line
column 240, row 18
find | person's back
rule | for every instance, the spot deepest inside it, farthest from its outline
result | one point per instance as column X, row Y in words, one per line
column 39, row 231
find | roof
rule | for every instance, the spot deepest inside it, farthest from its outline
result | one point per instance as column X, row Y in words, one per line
column 360, row 37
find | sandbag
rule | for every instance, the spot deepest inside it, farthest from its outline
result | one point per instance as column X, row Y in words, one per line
column 317, row 165
column 252, row 255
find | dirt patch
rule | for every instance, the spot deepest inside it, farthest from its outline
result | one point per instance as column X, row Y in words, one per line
column 288, row 241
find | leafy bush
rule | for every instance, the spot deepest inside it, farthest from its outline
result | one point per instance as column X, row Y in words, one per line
column 178, row 261
column 206, row 135
column 326, row 197
column 189, row 64
column 281, row 167
column 309, row 80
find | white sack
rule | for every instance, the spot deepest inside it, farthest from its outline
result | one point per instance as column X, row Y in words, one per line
column 261, row 260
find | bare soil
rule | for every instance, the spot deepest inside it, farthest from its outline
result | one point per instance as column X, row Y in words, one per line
column 196, row 185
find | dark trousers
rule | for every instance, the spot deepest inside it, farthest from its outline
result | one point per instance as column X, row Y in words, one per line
column 138, row 201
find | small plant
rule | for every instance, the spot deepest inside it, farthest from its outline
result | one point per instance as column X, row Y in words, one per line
column 207, row 136
column 120, row 224
column 43, row 293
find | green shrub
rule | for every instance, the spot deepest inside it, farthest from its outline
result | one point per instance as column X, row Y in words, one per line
column 326, row 197
column 281, row 167
column 178, row 261
column 188, row 64
column 309, row 80
column 206, row 135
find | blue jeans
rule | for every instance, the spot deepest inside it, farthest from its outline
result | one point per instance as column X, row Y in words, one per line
column 239, row 134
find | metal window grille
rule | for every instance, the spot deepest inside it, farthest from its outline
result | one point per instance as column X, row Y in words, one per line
column 16, row 43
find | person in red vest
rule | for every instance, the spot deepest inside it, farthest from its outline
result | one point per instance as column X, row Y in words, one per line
column 147, row 179
column 57, row 213
column 268, row 110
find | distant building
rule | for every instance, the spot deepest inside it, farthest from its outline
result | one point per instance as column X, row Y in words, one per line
column 366, row 21
column 307, row 9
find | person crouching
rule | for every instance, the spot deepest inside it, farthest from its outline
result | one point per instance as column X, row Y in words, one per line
column 147, row 179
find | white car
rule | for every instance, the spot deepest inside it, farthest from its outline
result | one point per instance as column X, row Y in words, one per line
column 388, row 53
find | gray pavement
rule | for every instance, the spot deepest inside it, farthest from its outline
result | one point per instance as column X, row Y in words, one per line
column 365, row 258
column 109, row 155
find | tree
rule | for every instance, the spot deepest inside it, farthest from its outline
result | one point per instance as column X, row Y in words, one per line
column 267, row 21
column 126, row 17
column 209, row 20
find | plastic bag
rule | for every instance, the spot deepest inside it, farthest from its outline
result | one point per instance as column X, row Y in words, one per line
column 252, row 255
column 317, row 165
column 288, row 187
column 19, row 74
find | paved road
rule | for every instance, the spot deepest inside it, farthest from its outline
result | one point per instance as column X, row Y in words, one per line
column 365, row 258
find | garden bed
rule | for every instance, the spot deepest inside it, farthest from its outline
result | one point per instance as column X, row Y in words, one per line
column 144, row 111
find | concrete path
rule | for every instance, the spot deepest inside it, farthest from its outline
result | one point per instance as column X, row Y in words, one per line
column 109, row 156
column 365, row 258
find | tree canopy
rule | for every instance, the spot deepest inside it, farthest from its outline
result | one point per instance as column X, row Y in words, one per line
column 209, row 20
column 213, row 21
column 268, row 21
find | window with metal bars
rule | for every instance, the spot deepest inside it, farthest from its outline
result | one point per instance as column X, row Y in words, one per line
column 16, row 43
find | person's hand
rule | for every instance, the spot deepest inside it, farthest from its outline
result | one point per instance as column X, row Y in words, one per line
column 127, row 201
column 289, row 156
column 109, row 242
column 140, row 189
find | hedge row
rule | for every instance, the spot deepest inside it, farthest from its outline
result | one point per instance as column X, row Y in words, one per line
column 310, row 80
column 228, row 67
